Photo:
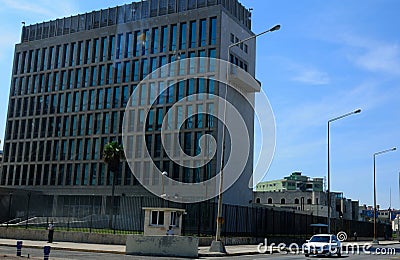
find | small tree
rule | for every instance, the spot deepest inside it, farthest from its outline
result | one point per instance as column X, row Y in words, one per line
column 113, row 153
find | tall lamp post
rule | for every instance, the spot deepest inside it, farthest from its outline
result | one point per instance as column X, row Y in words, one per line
column 217, row 245
column 397, row 216
column 375, row 241
column 163, row 175
column 329, row 168
column 163, row 194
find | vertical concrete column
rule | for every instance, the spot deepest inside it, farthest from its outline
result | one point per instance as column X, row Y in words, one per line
column 103, row 205
column 55, row 206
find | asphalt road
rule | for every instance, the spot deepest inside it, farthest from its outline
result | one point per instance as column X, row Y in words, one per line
column 10, row 252
column 35, row 253
column 372, row 254
column 290, row 257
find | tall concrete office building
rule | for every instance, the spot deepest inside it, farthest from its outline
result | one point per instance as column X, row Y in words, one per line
column 72, row 79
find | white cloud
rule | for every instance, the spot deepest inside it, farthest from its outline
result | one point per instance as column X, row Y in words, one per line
column 382, row 58
column 30, row 12
column 304, row 73
column 7, row 42
column 303, row 117
column 311, row 76
column 42, row 7
column 372, row 55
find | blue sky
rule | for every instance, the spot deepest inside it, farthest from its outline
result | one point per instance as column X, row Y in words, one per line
column 329, row 58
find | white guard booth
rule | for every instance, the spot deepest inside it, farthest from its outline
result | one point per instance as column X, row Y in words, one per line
column 157, row 221
column 156, row 242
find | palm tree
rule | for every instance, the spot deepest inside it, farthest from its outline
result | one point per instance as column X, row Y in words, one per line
column 113, row 153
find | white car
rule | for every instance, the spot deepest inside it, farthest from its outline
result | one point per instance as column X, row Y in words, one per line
column 323, row 244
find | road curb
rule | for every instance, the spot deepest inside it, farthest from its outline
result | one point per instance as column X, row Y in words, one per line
column 227, row 254
column 212, row 254
column 70, row 249
column 123, row 253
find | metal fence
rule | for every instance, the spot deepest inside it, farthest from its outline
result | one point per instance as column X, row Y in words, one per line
column 94, row 214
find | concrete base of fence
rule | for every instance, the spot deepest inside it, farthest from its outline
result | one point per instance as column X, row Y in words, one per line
column 162, row 246
column 65, row 236
column 206, row 241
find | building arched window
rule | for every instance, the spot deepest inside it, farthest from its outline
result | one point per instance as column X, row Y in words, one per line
column 283, row 201
column 269, row 201
column 309, row 201
column 296, row 201
column 258, row 200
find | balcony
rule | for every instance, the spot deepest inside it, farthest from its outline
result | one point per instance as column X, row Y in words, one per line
column 243, row 80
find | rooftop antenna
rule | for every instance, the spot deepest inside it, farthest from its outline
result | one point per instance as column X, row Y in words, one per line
column 250, row 10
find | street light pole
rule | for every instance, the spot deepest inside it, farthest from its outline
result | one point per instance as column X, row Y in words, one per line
column 217, row 245
column 329, row 168
column 397, row 216
column 163, row 174
column 375, row 241
column 9, row 207
column 163, row 195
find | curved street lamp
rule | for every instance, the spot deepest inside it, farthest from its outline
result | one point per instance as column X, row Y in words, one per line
column 329, row 168
column 216, row 245
column 375, row 241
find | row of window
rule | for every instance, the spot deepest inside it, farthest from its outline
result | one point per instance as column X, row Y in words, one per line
column 74, row 125
column 101, row 124
column 90, row 149
column 96, row 173
column 99, row 99
column 105, row 123
column 238, row 62
column 65, row 174
column 110, row 48
column 243, row 46
column 56, row 150
column 78, row 101
column 188, row 141
column 283, row 201
column 112, row 73
column 175, row 171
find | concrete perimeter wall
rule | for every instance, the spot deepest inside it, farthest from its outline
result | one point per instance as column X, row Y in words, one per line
column 162, row 246
column 65, row 236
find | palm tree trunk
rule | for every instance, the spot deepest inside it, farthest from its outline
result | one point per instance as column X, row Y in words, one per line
column 113, row 199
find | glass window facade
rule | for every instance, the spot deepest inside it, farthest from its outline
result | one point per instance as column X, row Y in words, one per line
column 68, row 96
column 193, row 34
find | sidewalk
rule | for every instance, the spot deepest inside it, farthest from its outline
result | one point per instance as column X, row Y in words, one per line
column 120, row 249
column 82, row 247
column 234, row 250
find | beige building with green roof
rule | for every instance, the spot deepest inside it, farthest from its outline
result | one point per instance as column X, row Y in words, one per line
column 294, row 182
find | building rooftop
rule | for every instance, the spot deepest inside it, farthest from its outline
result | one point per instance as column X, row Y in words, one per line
column 128, row 13
column 296, row 176
column 295, row 181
